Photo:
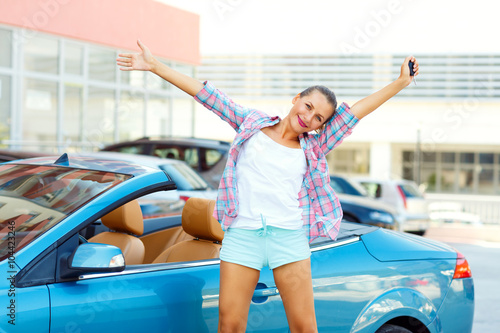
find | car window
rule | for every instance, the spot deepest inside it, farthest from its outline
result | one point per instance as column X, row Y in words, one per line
column 410, row 191
column 186, row 154
column 132, row 149
column 374, row 190
column 185, row 178
column 209, row 157
column 34, row 198
column 345, row 186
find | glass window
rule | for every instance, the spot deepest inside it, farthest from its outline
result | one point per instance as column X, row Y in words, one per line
column 5, row 106
column 189, row 155
column 132, row 149
column 99, row 117
column 448, row 158
column 429, row 157
column 486, row 181
column 467, row 158
column 73, row 59
column 40, row 111
column 408, row 156
column 102, row 64
column 41, row 55
column 131, row 116
column 5, row 48
column 486, row 158
column 448, row 180
column 72, row 118
column 466, row 180
column 209, row 157
column 158, row 118
column 185, row 178
column 133, row 78
column 429, row 177
column 182, row 117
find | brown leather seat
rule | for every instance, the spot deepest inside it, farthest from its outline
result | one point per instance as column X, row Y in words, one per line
column 124, row 220
column 197, row 221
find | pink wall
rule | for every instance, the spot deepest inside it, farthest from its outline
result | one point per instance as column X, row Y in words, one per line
column 169, row 32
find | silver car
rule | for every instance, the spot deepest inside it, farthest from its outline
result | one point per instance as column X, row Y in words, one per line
column 405, row 197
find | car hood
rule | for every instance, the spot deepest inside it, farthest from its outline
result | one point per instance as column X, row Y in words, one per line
column 367, row 202
column 388, row 245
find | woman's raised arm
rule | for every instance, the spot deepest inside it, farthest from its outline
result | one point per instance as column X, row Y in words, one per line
column 372, row 102
column 145, row 61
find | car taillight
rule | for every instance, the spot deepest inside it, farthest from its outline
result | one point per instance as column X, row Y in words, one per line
column 462, row 269
column 184, row 198
column 403, row 196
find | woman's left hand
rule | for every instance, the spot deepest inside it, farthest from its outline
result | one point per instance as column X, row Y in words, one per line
column 405, row 70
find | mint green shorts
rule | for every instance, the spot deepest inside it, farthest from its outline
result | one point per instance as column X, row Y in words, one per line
column 268, row 246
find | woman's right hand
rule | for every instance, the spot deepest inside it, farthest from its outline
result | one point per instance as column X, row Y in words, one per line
column 143, row 61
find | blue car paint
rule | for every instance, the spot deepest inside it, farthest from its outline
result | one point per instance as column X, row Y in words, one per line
column 388, row 245
column 183, row 297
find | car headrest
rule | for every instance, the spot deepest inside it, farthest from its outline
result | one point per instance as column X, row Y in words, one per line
column 126, row 218
column 197, row 220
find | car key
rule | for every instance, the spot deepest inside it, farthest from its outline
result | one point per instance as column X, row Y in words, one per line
column 412, row 73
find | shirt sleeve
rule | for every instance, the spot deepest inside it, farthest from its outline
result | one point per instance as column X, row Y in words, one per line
column 337, row 129
column 216, row 101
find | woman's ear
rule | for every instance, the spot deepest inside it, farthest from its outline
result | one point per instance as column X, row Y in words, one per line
column 295, row 98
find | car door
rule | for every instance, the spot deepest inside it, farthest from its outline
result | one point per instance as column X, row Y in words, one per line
column 174, row 297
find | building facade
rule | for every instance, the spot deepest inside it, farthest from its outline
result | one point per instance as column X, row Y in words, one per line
column 60, row 88
column 441, row 132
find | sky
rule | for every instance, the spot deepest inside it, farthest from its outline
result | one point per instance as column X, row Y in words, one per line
column 347, row 27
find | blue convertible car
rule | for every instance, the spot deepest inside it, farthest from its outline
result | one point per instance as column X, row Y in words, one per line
column 76, row 256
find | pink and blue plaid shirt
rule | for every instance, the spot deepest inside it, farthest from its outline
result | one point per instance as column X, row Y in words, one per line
column 322, row 213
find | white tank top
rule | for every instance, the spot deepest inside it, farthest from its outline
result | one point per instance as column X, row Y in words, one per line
column 269, row 178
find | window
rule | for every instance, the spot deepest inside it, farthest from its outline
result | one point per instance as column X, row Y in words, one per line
column 41, row 55
column 73, row 59
column 5, row 106
column 73, row 116
column 40, row 107
column 100, row 121
column 102, row 65
column 131, row 116
column 5, row 48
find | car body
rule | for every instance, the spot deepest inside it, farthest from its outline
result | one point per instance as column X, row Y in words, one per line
column 208, row 157
column 57, row 281
column 405, row 197
column 358, row 207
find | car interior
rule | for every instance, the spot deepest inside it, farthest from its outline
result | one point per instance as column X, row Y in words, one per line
column 195, row 235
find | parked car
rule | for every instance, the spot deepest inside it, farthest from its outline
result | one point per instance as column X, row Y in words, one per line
column 140, row 277
column 359, row 207
column 208, row 157
column 12, row 155
column 189, row 183
column 405, row 196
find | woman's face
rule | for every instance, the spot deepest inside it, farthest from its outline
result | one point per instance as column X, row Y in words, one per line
column 310, row 112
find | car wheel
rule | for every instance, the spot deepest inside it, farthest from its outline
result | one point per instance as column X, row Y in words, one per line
column 392, row 329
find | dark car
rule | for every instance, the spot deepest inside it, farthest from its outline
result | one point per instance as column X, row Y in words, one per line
column 12, row 155
column 360, row 208
column 206, row 156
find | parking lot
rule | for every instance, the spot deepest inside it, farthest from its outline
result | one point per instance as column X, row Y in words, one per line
column 481, row 247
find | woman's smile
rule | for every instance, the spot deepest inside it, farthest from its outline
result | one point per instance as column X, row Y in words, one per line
column 301, row 123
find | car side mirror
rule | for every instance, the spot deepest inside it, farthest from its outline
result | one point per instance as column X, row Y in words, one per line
column 95, row 257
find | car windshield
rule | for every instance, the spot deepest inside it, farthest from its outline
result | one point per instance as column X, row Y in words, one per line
column 34, row 198
column 346, row 186
column 185, row 178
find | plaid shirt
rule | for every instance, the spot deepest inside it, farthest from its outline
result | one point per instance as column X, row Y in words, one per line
column 322, row 213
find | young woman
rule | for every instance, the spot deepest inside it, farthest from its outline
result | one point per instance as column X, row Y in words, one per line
column 274, row 196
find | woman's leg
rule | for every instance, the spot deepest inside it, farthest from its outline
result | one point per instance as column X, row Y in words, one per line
column 237, row 285
column 294, row 283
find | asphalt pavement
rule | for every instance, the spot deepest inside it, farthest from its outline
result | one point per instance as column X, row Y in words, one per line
column 481, row 247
